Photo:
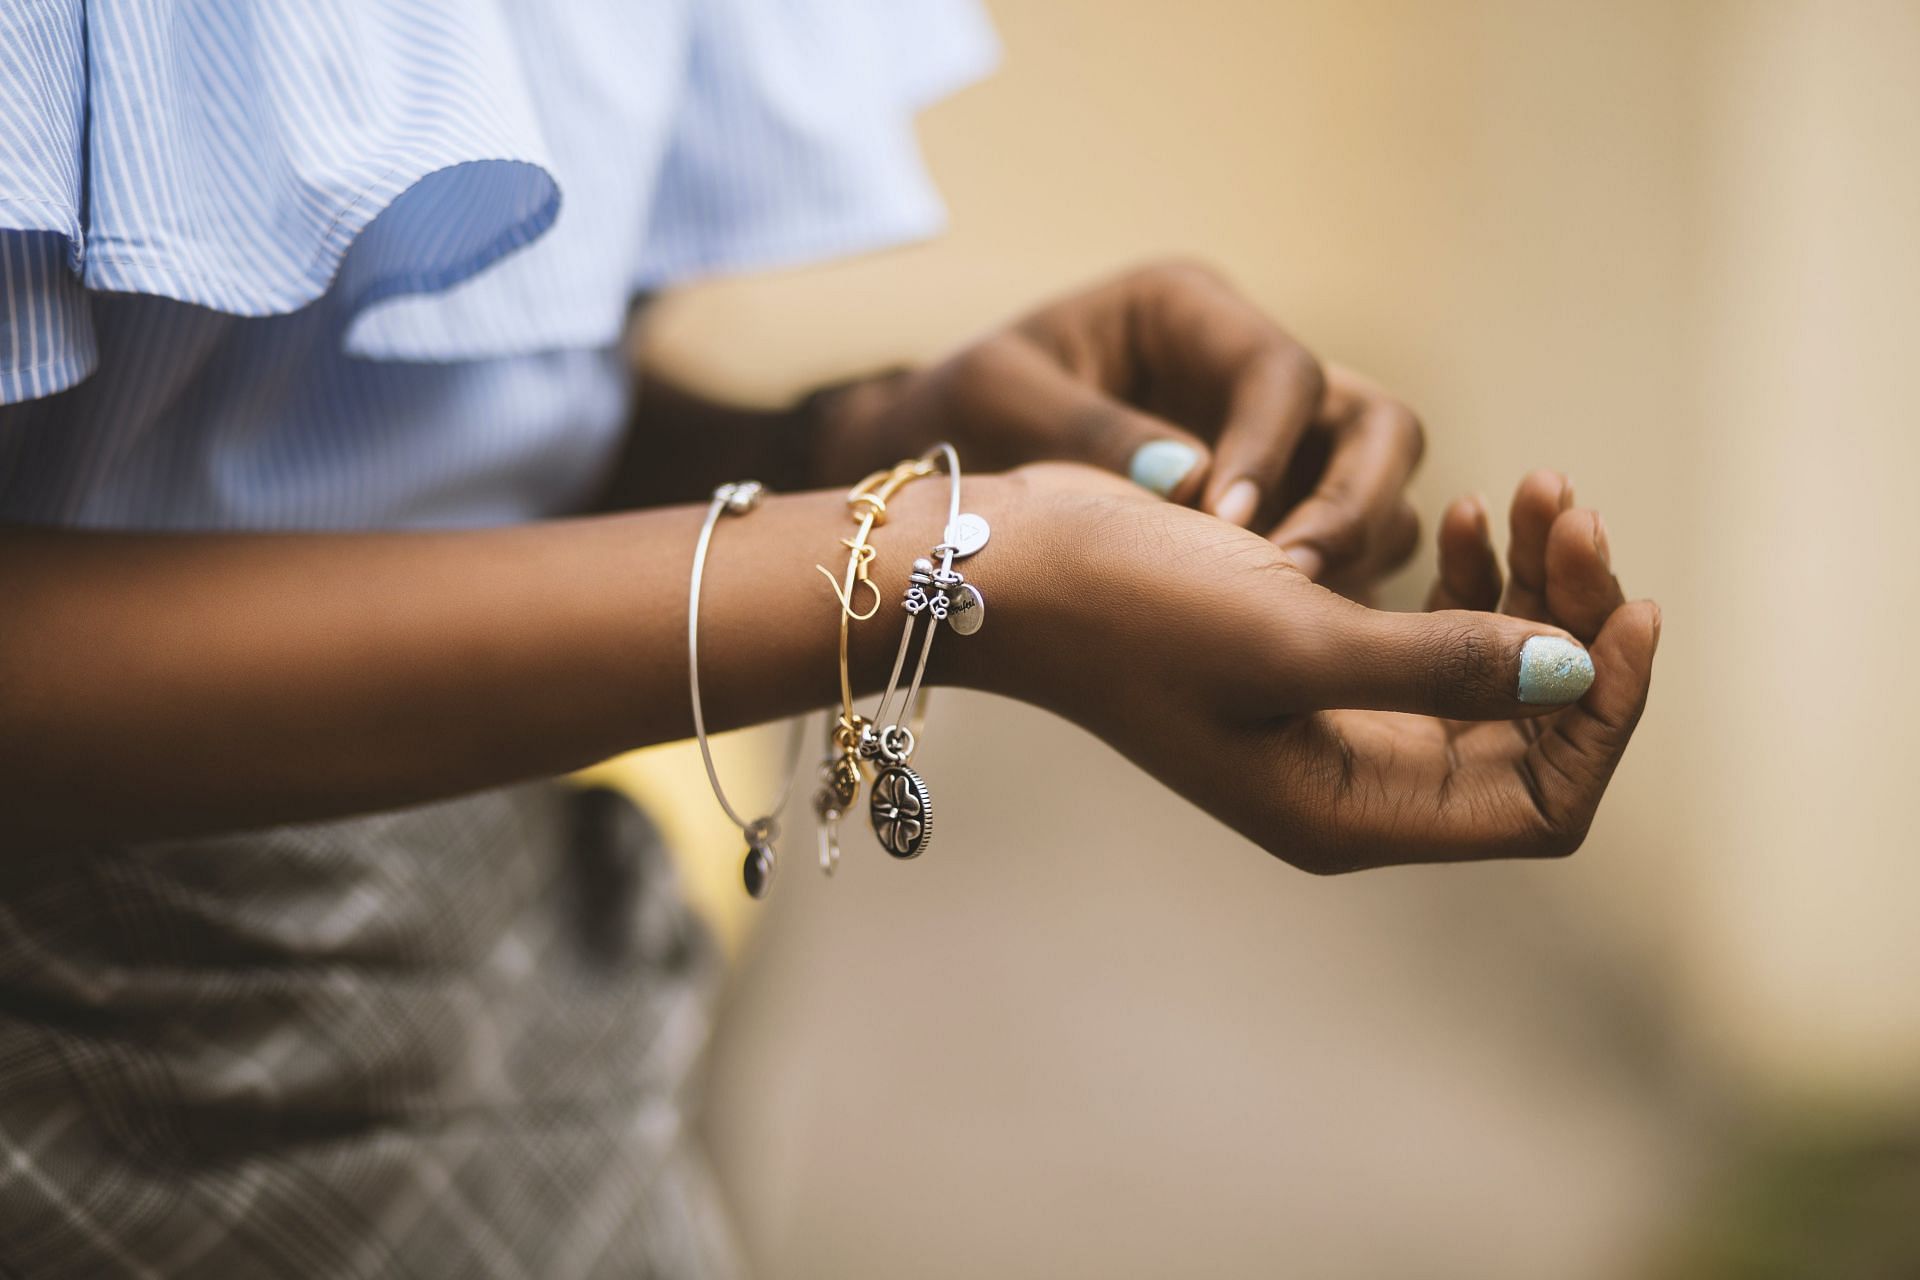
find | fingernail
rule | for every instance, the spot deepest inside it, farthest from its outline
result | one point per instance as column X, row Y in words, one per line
column 1238, row 503
column 1160, row 465
column 1554, row 671
column 1305, row 558
column 1566, row 494
column 1481, row 519
column 1600, row 543
column 1658, row 617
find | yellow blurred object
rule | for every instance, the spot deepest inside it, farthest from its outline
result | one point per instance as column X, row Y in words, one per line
column 669, row 782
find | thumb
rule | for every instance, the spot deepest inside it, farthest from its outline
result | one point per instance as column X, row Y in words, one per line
column 1454, row 663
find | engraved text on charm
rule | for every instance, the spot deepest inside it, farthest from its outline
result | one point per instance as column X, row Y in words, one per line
column 902, row 812
column 969, row 610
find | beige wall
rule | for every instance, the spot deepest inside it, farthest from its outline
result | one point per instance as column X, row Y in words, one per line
column 1668, row 248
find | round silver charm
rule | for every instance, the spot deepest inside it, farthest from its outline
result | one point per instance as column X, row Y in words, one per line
column 967, row 534
column 969, row 611
column 902, row 812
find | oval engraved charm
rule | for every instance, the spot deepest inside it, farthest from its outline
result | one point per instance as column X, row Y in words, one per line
column 902, row 811
column 969, row 610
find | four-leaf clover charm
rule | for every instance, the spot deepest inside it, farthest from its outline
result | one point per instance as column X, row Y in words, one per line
column 902, row 812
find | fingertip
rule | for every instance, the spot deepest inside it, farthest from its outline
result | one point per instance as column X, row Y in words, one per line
column 1639, row 624
column 1305, row 559
column 1554, row 670
column 1542, row 486
column 1577, row 544
column 1169, row 468
column 1238, row 503
column 1463, row 518
column 1626, row 645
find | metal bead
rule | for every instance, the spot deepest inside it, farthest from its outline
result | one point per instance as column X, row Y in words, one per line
column 741, row 496
column 896, row 744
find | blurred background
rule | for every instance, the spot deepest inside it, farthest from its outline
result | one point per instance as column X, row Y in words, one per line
column 1668, row 248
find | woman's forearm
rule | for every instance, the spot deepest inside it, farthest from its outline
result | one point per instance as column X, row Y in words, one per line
column 158, row 685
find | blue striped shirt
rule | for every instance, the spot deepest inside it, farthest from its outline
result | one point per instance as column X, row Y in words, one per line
column 333, row 264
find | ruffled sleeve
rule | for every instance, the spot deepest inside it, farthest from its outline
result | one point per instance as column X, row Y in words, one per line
column 248, row 158
column 822, row 98
column 407, row 162
column 731, row 135
column 46, row 332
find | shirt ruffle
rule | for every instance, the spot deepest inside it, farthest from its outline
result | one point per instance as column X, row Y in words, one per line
column 254, row 157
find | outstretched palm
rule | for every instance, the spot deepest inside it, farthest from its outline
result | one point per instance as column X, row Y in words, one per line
column 1424, row 788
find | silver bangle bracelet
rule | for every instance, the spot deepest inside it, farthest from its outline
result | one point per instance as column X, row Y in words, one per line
column 901, row 808
column 737, row 499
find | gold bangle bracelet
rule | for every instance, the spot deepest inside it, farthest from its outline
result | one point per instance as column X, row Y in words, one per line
column 840, row 770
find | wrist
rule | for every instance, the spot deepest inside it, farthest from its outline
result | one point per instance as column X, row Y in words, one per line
column 1020, row 574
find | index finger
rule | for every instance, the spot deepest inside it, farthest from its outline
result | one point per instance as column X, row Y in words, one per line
column 1375, row 451
column 1274, row 396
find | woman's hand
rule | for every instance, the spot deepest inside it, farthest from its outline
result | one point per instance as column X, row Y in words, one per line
column 1335, row 736
column 1168, row 376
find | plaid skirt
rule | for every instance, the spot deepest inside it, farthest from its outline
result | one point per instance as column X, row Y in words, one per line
column 452, row 1041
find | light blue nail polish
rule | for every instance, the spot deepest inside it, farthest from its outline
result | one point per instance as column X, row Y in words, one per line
column 1159, row 465
column 1554, row 671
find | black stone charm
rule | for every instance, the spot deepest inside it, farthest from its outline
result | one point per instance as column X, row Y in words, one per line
column 757, row 872
column 902, row 812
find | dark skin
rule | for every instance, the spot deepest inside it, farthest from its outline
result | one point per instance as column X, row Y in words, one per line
column 1169, row 351
column 172, row 684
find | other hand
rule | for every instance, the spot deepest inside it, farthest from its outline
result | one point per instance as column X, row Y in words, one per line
column 1168, row 376
column 1335, row 736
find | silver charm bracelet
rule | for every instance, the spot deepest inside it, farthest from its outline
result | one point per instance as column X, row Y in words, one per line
column 901, row 808
column 736, row 499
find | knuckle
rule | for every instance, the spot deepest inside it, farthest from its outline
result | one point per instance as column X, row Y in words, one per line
column 1462, row 666
column 1096, row 430
column 1180, row 270
column 1402, row 537
column 1405, row 428
column 1339, row 530
column 982, row 367
column 1304, row 370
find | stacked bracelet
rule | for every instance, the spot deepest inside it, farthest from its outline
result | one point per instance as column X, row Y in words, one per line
column 901, row 805
column 901, row 808
column 737, row 499
column 840, row 770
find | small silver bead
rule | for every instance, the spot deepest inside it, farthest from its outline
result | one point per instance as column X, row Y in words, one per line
column 741, row 497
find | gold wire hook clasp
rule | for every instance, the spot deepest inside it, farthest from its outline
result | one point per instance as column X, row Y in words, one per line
column 861, row 555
